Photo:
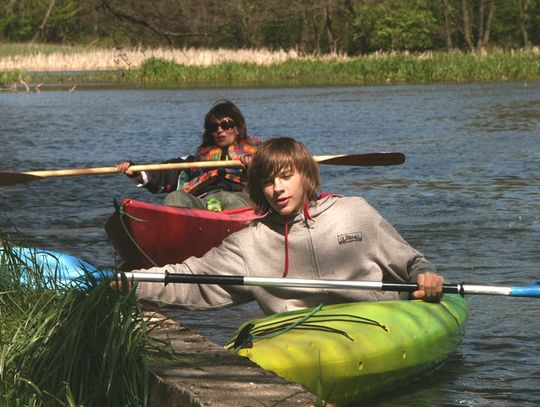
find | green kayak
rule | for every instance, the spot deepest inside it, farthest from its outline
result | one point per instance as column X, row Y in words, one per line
column 348, row 352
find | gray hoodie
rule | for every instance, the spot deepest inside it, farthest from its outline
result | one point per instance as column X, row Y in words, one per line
column 337, row 238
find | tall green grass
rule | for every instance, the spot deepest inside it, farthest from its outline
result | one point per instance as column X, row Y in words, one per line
column 63, row 347
column 8, row 78
column 373, row 69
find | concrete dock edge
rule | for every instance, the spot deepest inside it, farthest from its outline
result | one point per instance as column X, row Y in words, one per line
column 205, row 374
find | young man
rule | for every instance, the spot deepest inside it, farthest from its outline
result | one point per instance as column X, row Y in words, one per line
column 301, row 236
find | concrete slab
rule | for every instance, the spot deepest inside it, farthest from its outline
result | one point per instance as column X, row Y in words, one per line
column 209, row 375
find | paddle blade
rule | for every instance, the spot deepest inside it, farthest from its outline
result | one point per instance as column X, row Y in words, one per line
column 14, row 178
column 531, row 290
column 369, row 159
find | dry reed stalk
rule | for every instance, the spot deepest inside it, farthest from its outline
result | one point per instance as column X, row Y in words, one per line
column 120, row 58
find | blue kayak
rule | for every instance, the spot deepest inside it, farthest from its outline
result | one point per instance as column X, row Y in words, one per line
column 55, row 269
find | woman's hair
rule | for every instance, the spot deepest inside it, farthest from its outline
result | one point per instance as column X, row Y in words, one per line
column 274, row 156
column 220, row 109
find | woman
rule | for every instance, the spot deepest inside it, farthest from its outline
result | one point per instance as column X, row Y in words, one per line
column 301, row 236
column 224, row 138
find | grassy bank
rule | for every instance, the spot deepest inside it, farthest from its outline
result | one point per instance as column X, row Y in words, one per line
column 179, row 68
column 374, row 69
column 63, row 347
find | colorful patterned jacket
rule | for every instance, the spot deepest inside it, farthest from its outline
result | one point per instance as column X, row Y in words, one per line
column 233, row 177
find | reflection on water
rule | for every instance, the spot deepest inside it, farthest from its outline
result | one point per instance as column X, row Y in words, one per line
column 467, row 195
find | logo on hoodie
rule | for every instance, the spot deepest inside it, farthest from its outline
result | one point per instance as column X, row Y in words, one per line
column 349, row 237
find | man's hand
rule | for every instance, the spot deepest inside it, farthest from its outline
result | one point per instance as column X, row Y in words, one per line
column 430, row 286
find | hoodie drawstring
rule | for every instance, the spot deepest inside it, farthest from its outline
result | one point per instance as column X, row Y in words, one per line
column 286, row 270
column 306, row 212
column 308, row 218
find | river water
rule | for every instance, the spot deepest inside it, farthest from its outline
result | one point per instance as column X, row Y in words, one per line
column 467, row 196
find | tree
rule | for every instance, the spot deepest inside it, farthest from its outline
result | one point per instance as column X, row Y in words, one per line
column 311, row 26
column 41, row 27
column 447, row 29
column 524, row 21
column 393, row 25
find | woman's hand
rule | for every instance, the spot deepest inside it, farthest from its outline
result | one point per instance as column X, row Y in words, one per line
column 123, row 166
column 430, row 287
column 245, row 160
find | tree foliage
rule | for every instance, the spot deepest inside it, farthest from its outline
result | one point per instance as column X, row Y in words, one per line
column 394, row 25
column 312, row 26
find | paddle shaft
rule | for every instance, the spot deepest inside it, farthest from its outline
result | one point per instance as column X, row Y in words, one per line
column 367, row 159
column 134, row 168
column 462, row 289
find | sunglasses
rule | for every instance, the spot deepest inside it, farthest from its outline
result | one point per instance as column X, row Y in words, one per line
column 225, row 125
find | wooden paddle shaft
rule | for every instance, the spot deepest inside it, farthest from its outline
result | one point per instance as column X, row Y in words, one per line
column 342, row 159
column 144, row 167
column 367, row 159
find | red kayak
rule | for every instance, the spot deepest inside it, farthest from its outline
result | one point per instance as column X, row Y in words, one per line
column 147, row 235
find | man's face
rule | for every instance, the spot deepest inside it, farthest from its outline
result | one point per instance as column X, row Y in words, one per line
column 285, row 192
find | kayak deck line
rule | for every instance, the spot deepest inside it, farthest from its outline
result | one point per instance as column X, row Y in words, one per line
column 310, row 322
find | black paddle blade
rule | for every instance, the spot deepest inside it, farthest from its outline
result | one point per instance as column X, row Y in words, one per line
column 369, row 159
column 14, row 178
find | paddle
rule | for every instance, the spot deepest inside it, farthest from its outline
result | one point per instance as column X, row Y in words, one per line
column 532, row 290
column 367, row 159
column 65, row 269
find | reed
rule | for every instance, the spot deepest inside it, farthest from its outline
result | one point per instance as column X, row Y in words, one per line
column 372, row 69
column 63, row 347
column 196, row 67
column 61, row 58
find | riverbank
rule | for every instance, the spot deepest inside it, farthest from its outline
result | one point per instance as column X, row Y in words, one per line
column 23, row 69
